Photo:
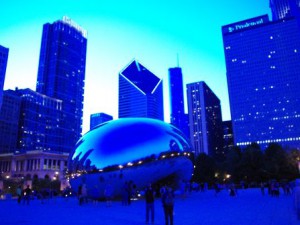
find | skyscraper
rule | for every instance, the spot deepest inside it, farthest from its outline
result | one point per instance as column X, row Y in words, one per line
column 9, row 121
column 282, row 9
column 61, row 74
column 177, row 118
column 205, row 119
column 98, row 118
column 3, row 64
column 140, row 93
column 39, row 124
column 262, row 62
column 176, row 96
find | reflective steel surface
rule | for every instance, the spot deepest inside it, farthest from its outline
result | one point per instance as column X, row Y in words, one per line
column 129, row 140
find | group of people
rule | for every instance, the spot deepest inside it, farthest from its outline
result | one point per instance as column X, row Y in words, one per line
column 167, row 199
column 24, row 194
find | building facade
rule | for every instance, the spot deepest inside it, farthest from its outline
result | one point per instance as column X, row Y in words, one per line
column 177, row 118
column 34, row 164
column 61, row 74
column 282, row 9
column 140, row 93
column 262, row 62
column 228, row 142
column 3, row 63
column 205, row 120
column 39, row 123
column 9, row 121
column 98, row 118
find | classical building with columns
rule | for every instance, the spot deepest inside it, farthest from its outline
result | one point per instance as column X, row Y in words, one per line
column 34, row 164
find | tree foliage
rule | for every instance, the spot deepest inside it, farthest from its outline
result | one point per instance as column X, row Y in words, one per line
column 250, row 164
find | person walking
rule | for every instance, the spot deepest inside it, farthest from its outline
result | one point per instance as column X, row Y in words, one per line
column 297, row 197
column 19, row 193
column 168, row 205
column 108, row 194
column 149, row 198
column 27, row 194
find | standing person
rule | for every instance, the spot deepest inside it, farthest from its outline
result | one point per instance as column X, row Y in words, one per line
column 297, row 198
column 108, row 193
column 168, row 205
column 79, row 194
column 149, row 197
column 19, row 193
column 27, row 194
column 84, row 193
column 125, row 194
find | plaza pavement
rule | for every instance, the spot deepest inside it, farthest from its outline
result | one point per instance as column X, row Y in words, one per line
column 249, row 207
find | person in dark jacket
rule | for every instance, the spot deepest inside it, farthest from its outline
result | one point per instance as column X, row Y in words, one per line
column 149, row 198
column 168, row 205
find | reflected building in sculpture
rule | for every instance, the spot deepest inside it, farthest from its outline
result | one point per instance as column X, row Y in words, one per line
column 141, row 150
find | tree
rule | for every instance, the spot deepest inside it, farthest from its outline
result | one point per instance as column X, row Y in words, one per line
column 251, row 164
column 232, row 163
column 276, row 162
column 205, row 169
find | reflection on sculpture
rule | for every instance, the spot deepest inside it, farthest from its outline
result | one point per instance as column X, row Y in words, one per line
column 131, row 149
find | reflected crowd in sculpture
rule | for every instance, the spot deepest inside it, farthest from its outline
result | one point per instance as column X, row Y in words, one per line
column 138, row 150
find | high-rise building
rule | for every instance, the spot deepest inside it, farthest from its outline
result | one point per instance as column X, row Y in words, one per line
column 98, row 118
column 3, row 64
column 178, row 118
column 39, row 124
column 228, row 142
column 9, row 121
column 262, row 62
column 140, row 93
column 176, row 96
column 205, row 120
column 282, row 9
column 61, row 74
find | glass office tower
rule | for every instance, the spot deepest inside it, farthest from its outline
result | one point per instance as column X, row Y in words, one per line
column 99, row 118
column 176, row 96
column 205, row 120
column 3, row 64
column 177, row 118
column 61, row 74
column 9, row 121
column 39, row 124
column 284, row 8
column 263, row 74
column 140, row 93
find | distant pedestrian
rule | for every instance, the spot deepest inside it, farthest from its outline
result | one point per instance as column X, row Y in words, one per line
column 108, row 193
column 232, row 191
column 79, row 194
column 149, row 198
column 84, row 193
column 125, row 193
column 262, row 188
column 168, row 206
column 19, row 193
column 297, row 198
column 27, row 194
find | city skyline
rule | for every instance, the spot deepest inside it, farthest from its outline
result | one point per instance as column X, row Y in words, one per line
column 153, row 34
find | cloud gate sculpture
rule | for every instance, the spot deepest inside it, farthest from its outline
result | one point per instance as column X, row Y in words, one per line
column 138, row 150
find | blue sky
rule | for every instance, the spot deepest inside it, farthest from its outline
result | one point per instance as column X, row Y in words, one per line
column 153, row 32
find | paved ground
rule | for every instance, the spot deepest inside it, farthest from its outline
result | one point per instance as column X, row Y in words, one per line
column 248, row 208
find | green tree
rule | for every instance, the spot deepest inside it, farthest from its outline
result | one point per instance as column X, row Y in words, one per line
column 205, row 168
column 232, row 163
column 276, row 162
column 251, row 164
